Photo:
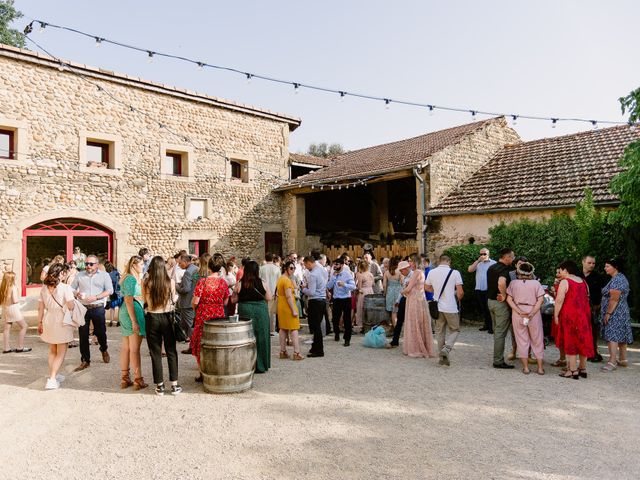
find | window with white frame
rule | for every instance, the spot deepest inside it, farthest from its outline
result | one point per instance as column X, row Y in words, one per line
column 197, row 208
column 176, row 161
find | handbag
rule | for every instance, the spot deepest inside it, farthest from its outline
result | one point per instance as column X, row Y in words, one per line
column 433, row 304
column 178, row 331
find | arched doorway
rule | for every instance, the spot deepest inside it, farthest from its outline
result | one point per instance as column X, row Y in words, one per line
column 59, row 236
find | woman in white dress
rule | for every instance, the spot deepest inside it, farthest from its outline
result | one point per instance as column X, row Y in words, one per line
column 54, row 296
column 10, row 302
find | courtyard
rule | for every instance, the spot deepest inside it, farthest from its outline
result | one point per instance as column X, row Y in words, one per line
column 357, row 413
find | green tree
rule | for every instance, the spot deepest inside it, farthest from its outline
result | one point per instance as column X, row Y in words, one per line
column 627, row 183
column 8, row 14
column 324, row 150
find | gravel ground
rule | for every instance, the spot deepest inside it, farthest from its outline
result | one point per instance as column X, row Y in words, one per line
column 356, row 413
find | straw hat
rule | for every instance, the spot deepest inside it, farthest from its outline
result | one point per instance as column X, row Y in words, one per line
column 403, row 264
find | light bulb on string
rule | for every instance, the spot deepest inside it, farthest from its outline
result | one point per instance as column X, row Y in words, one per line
column 61, row 66
column 431, row 109
column 342, row 95
column 249, row 77
column 42, row 27
column 150, row 57
column 473, row 115
column 200, row 65
column 386, row 103
column 514, row 120
column 296, row 88
column 594, row 124
column 98, row 42
column 554, row 122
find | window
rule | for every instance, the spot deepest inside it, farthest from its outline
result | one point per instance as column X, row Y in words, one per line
column 176, row 162
column 7, row 144
column 100, row 151
column 239, row 168
column 236, row 170
column 173, row 163
column 198, row 247
column 197, row 208
column 97, row 154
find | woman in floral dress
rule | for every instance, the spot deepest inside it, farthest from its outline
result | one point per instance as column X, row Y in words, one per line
column 209, row 299
column 616, row 319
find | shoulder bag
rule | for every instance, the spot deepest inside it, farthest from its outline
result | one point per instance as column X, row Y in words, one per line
column 178, row 331
column 433, row 304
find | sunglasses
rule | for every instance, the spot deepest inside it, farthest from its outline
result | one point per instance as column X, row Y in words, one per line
column 90, row 264
column 291, row 268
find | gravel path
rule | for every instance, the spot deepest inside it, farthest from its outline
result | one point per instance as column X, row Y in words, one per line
column 356, row 413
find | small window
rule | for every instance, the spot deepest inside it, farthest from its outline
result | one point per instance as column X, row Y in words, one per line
column 198, row 247
column 239, row 171
column 173, row 163
column 236, row 170
column 197, row 209
column 97, row 154
column 7, row 144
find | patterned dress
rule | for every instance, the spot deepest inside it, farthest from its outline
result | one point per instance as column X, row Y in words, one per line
column 618, row 329
column 212, row 292
column 574, row 321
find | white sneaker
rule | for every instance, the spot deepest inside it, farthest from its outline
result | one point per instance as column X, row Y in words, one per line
column 60, row 378
column 52, row 384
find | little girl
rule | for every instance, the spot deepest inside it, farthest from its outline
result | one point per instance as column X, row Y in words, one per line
column 9, row 299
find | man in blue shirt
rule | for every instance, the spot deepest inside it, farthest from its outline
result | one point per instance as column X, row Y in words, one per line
column 315, row 287
column 342, row 283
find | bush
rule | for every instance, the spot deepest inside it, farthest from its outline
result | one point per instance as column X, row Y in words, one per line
column 461, row 257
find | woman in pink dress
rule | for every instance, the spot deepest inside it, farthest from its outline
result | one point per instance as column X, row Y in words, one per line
column 418, row 339
column 364, row 286
column 525, row 296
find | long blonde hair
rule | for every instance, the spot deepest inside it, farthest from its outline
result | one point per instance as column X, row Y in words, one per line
column 128, row 269
column 8, row 281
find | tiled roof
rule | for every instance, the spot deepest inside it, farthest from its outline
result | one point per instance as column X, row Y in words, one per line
column 389, row 157
column 34, row 57
column 552, row 172
column 309, row 159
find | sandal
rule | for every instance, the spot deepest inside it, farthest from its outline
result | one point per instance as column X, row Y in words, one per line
column 622, row 363
column 540, row 371
column 608, row 367
column 138, row 383
column 575, row 374
column 22, row 350
column 8, row 351
column 559, row 363
column 526, row 372
column 284, row 356
column 125, row 381
column 199, row 378
column 297, row 356
column 583, row 372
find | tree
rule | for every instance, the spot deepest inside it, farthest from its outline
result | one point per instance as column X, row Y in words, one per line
column 325, row 151
column 8, row 14
column 627, row 183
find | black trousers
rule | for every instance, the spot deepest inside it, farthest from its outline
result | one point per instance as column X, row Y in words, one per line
column 315, row 313
column 95, row 316
column 342, row 306
column 483, row 307
column 160, row 330
column 595, row 329
column 399, row 322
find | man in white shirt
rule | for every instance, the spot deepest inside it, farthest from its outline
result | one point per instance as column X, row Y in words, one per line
column 480, row 267
column 270, row 273
column 446, row 285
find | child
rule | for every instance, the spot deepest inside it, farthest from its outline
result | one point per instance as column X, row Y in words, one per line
column 9, row 299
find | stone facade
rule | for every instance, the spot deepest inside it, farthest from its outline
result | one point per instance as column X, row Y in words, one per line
column 55, row 112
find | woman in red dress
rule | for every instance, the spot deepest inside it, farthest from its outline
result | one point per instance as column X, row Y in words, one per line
column 572, row 315
column 209, row 298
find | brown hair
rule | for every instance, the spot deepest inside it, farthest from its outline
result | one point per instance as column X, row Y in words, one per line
column 203, row 268
column 53, row 275
column 8, row 281
column 157, row 284
column 128, row 269
column 363, row 266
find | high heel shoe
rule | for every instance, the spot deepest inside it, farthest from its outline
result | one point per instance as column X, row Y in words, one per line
column 138, row 384
column 575, row 374
column 126, row 380
column 583, row 372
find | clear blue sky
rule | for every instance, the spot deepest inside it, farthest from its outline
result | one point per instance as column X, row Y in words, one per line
column 544, row 57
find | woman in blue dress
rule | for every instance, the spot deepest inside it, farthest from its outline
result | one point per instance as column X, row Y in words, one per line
column 391, row 286
column 615, row 317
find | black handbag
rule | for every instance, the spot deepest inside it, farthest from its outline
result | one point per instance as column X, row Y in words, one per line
column 178, row 331
column 433, row 304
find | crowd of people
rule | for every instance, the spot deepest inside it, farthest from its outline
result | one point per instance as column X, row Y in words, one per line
column 153, row 294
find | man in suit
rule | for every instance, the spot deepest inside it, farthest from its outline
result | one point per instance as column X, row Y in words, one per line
column 185, row 294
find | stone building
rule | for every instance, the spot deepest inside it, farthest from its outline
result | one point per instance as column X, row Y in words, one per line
column 383, row 194
column 531, row 180
column 112, row 163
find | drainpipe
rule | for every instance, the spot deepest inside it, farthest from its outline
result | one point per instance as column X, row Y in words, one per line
column 417, row 171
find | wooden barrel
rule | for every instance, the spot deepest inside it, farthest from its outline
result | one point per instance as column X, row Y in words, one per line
column 227, row 355
column 375, row 311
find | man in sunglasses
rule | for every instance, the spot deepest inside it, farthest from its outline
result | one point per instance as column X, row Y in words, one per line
column 92, row 287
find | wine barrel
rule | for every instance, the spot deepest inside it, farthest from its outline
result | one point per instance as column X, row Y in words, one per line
column 375, row 311
column 227, row 355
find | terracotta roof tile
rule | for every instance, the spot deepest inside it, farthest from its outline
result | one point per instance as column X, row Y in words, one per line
column 400, row 155
column 542, row 173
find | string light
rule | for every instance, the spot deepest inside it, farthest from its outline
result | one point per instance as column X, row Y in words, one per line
column 514, row 120
column 43, row 25
column 342, row 93
column 554, row 122
column 98, row 42
column 200, row 65
column 387, row 101
column 595, row 124
column 473, row 115
column 150, row 59
column 296, row 88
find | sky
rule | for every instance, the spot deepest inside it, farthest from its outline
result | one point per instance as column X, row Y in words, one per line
column 550, row 58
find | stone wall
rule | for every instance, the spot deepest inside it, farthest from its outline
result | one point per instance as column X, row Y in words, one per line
column 458, row 229
column 139, row 204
